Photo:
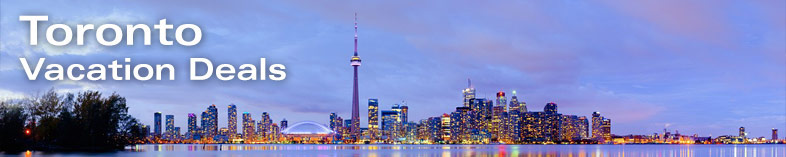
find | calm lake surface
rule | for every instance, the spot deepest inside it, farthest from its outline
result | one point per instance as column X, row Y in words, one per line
column 437, row 150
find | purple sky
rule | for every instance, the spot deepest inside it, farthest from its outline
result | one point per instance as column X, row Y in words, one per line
column 705, row 67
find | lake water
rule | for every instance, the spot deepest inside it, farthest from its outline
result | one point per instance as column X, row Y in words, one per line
column 438, row 150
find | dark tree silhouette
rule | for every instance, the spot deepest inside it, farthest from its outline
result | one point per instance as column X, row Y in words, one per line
column 86, row 122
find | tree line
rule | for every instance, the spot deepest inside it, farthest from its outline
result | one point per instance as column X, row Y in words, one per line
column 86, row 121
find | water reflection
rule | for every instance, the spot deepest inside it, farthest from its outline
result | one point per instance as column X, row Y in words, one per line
column 446, row 150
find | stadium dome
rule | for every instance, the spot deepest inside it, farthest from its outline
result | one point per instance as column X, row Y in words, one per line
column 307, row 127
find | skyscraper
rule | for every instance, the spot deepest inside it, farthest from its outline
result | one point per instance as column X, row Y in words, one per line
column 501, row 100
column 390, row 125
column 373, row 118
column 552, row 122
column 232, row 120
column 355, row 62
column 597, row 121
column 469, row 93
column 583, row 127
column 334, row 122
column 192, row 125
column 157, row 124
column 284, row 124
column 742, row 132
column 170, row 127
column 774, row 134
column 248, row 127
column 404, row 113
column 514, row 102
column 204, row 121
column 210, row 124
column 445, row 126
column 264, row 126
column 606, row 129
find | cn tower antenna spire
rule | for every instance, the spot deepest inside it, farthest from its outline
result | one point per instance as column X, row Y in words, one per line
column 356, row 33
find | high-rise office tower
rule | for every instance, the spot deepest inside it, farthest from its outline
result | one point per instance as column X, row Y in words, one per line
column 284, row 124
column 204, row 122
column 584, row 127
column 390, row 125
column 774, row 134
column 232, row 120
column 373, row 118
column 264, row 125
column 514, row 102
column 404, row 113
column 355, row 62
column 469, row 93
column 170, row 126
column 601, row 128
column 334, row 122
column 157, row 124
column 597, row 121
column 551, row 122
column 606, row 129
column 212, row 121
column 501, row 100
column 445, row 126
column 248, row 127
column 742, row 132
column 192, row 124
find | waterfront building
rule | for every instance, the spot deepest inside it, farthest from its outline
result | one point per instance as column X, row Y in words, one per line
column 232, row 120
column 211, row 127
column 390, row 125
column 774, row 134
column 445, row 125
column 157, row 124
column 373, row 119
column 469, row 93
column 263, row 129
column 170, row 127
column 248, row 127
column 333, row 122
column 606, row 129
column 192, row 126
column 583, row 127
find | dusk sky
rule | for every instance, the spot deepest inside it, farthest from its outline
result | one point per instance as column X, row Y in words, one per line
column 704, row 67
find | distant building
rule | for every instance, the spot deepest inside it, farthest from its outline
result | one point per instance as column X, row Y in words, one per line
column 742, row 132
column 774, row 134
column 192, row 125
column 373, row 119
column 248, row 127
column 157, row 124
column 469, row 93
column 601, row 128
column 211, row 121
column 232, row 120
column 445, row 125
column 390, row 125
column 170, row 127
column 284, row 124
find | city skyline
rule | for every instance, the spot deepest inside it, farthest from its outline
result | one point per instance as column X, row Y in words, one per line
column 705, row 67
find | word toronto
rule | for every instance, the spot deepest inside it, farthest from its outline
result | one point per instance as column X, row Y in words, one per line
column 62, row 35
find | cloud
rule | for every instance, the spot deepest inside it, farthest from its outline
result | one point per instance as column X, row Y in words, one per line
column 11, row 95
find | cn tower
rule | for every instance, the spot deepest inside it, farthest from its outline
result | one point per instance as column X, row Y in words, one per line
column 355, row 62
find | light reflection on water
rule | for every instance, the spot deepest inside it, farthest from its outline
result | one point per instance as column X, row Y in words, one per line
column 442, row 150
